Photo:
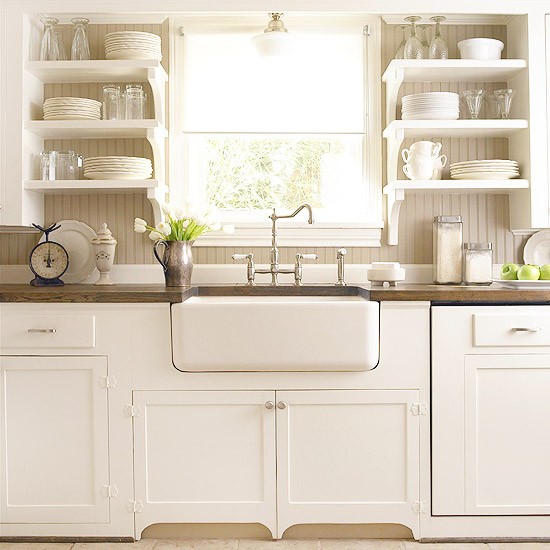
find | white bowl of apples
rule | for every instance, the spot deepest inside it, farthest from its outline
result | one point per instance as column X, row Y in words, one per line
column 524, row 276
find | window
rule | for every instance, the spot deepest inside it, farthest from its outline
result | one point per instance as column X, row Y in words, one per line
column 255, row 133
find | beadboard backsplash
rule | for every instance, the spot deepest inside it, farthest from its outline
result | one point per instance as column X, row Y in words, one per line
column 486, row 216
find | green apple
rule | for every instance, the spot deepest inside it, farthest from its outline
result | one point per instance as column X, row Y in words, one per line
column 545, row 272
column 508, row 272
column 528, row 273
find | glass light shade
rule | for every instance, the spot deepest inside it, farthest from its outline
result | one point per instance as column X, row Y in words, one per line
column 274, row 43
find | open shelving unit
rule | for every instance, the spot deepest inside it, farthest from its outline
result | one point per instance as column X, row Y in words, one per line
column 153, row 130
column 396, row 131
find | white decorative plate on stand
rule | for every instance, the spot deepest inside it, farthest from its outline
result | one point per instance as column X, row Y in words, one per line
column 537, row 248
column 76, row 237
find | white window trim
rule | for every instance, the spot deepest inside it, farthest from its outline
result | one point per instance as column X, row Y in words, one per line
column 293, row 233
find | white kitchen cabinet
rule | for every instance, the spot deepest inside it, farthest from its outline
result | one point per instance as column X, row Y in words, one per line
column 345, row 456
column 491, row 412
column 205, row 457
column 278, row 458
column 54, row 440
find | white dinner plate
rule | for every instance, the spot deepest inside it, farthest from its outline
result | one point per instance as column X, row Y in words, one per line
column 523, row 285
column 537, row 248
column 484, row 176
column 428, row 116
column 132, row 54
column 76, row 237
column 117, row 175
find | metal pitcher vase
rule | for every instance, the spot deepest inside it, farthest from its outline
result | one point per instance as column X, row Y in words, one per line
column 177, row 261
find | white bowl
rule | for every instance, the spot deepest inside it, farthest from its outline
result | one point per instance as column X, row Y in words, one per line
column 480, row 48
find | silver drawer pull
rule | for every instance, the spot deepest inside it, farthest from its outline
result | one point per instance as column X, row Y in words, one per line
column 42, row 330
column 526, row 329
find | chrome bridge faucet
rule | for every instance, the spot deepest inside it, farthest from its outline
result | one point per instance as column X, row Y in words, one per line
column 274, row 268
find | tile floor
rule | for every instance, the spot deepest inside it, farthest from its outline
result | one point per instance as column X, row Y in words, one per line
column 251, row 544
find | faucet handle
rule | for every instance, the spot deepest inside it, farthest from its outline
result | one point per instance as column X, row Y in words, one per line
column 298, row 266
column 250, row 268
column 341, row 252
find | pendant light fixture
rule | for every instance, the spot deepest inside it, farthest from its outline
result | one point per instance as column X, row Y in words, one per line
column 275, row 40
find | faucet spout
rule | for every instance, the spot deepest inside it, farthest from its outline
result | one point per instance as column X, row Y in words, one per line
column 297, row 211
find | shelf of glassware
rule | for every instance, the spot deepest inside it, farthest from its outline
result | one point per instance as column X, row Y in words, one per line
column 445, row 70
column 98, row 70
column 396, row 192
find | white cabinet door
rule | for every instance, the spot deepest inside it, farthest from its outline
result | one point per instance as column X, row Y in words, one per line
column 205, row 457
column 347, row 457
column 507, row 434
column 54, row 440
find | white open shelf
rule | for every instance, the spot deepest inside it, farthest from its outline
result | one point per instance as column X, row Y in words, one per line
column 445, row 70
column 97, row 70
column 94, row 129
column 397, row 190
column 67, row 187
column 480, row 128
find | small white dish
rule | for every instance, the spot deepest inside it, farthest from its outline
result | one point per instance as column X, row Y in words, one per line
column 524, row 285
column 76, row 237
column 385, row 272
column 537, row 248
column 480, row 48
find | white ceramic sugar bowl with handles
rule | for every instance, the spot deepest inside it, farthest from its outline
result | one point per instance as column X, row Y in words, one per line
column 422, row 161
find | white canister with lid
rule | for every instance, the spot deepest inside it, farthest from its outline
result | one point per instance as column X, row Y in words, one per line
column 477, row 263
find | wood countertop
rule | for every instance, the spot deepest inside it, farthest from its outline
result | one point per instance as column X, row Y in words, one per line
column 158, row 293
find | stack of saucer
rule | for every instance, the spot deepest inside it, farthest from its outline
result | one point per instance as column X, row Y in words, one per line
column 485, row 170
column 71, row 108
column 132, row 45
column 117, row 168
column 431, row 106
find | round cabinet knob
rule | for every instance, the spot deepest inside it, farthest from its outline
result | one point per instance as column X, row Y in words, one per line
column 281, row 405
column 269, row 405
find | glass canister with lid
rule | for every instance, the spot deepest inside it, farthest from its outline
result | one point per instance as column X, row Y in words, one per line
column 447, row 250
column 477, row 263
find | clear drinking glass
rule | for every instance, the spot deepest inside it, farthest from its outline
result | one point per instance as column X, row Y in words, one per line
column 111, row 102
column 49, row 47
column 494, row 105
column 438, row 46
column 399, row 53
column 80, row 49
column 424, row 40
column 59, row 165
column 413, row 47
column 504, row 98
column 135, row 101
column 473, row 100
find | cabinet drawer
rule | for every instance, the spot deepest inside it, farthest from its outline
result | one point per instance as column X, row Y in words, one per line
column 509, row 329
column 47, row 331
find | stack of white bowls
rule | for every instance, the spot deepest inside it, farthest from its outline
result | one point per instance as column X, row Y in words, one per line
column 71, row 108
column 431, row 106
column 117, row 168
column 494, row 169
column 132, row 45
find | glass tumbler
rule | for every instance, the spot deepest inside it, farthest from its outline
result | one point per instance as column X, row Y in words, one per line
column 111, row 102
column 135, row 102
column 49, row 47
column 80, row 49
column 413, row 47
column 473, row 100
column 504, row 98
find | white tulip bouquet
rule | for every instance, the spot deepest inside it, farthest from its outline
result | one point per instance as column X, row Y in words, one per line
column 183, row 223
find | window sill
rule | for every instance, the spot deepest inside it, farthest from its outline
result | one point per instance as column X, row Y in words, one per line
column 319, row 235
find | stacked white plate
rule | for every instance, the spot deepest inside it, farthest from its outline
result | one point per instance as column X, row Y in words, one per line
column 117, row 168
column 132, row 45
column 431, row 106
column 494, row 169
column 71, row 108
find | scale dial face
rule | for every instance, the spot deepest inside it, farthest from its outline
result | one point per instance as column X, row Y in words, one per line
column 49, row 260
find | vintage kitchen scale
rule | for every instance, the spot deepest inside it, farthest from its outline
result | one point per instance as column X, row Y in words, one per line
column 48, row 260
